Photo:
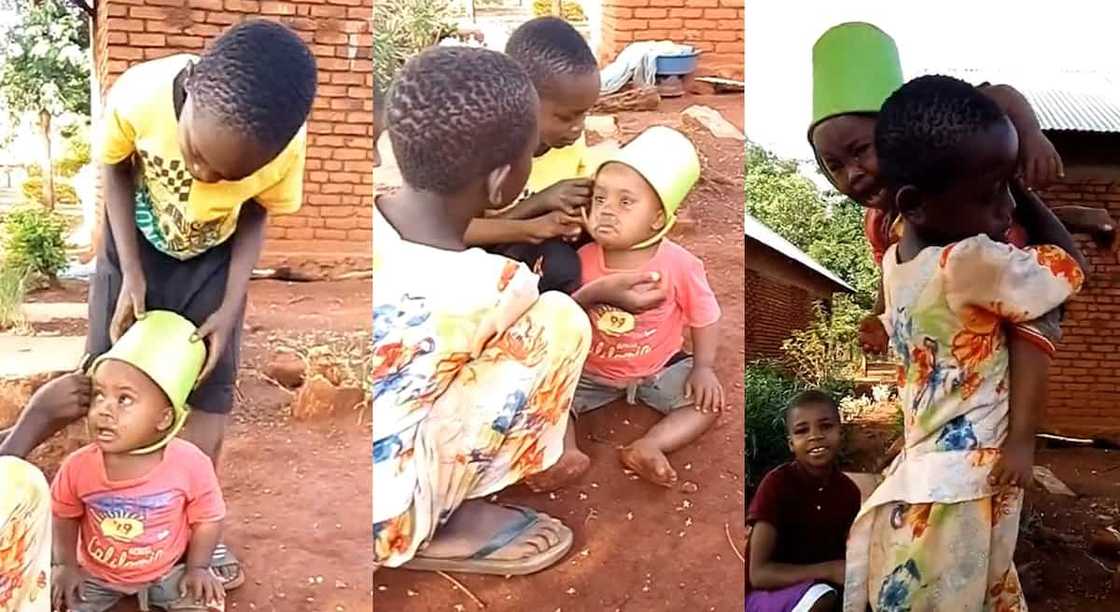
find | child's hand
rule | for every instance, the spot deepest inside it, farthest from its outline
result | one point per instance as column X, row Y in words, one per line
column 633, row 292
column 202, row 585
column 556, row 224
column 703, row 388
column 567, row 196
column 1093, row 221
column 63, row 400
column 216, row 331
column 67, row 587
column 1015, row 466
column 130, row 305
column 873, row 336
column 1039, row 162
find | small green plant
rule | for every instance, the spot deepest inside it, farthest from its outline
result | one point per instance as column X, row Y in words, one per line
column 767, row 388
column 570, row 11
column 403, row 28
column 826, row 350
column 34, row 240
column 13, row 288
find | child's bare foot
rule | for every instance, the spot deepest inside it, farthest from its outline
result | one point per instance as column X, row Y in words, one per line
column 649, row 462
column 571, row 465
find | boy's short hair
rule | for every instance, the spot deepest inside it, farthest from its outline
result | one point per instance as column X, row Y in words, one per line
column 456, row 113
column 259, row 78
column 812, row 397
column 921, row 127
column 549, row 47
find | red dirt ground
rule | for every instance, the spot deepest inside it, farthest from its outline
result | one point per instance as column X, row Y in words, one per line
column 1055, row 529
column 640, row 547
column 298, row 492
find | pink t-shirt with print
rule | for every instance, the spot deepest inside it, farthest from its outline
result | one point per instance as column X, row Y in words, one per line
column 626, row 348
column 133, row 532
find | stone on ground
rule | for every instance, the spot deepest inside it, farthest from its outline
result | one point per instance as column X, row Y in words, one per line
column 287, row 369
column 711, row 120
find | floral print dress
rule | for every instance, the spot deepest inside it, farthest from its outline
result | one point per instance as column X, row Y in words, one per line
column 473, row 378
column 935, row 535
column 25, row 537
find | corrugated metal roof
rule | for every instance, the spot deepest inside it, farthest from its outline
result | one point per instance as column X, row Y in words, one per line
column 1076, row 101
column 755, row 229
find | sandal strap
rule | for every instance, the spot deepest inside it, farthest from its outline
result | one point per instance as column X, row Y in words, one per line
column 509, row 534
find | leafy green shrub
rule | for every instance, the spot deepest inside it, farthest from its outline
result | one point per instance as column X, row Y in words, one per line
column 827, row 349
column 75, row 157
column 767, row 388
column 34, row 240
column 403, row 28
column 570, row 11
column 34, row 191
column 13, row 287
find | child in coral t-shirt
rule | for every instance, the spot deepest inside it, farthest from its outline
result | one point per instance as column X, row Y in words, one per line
column 639, row 357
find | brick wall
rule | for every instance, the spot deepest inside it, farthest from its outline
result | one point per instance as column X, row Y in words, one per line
column 335, row 221
column 779, row 295
column 713, row 26
column 775, row 311
column 1085, row 375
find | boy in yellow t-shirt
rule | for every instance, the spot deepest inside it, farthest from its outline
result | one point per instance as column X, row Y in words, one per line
column 196, row 152
column 544, row 226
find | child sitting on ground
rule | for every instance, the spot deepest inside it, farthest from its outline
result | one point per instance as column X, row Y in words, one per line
column 139, row 511
column 800, row 516
column 938, row 533
column 543, row 225
column 637, row 193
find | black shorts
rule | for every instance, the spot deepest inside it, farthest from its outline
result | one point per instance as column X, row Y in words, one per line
column 193, row 288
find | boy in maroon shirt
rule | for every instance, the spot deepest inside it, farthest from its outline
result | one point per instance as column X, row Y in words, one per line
column 800, row 516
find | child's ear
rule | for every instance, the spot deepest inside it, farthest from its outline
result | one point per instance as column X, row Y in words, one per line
column 789, row 442
column 494, row 184
column 659, row 221
column 167, row 421
column 908, row 202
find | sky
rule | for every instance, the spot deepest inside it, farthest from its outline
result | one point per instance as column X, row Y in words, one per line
column 1029, row 38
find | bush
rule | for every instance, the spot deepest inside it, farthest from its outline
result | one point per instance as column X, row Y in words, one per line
column 34, row 191
column 13, row 287
column 403, row 28
column 34, row 240
column 827, row 350
column 570, row 11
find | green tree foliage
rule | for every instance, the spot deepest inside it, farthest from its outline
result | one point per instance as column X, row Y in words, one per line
column 403, row 28
column 829, row 228
column 34, row 239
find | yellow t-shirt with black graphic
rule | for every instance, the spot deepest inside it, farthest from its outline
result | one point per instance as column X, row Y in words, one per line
column 179, row 215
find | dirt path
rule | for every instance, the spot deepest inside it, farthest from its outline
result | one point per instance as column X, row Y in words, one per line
column 298, row 492
column 639, row 547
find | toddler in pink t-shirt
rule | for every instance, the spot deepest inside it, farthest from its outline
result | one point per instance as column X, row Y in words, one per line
column 139, row 512
column 639, row 356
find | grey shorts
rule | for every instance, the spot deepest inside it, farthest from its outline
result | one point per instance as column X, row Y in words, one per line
column 664, row 391
column 162, row 594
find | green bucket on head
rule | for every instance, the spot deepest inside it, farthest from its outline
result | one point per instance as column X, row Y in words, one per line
column 162, row 346
column 668, row 161
column 855, row 69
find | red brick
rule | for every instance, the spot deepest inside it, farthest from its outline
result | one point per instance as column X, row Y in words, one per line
column 338, row 212
column 666, row 24
column 650, row 13
column 732, row 3
column 345, row 104
column 209, row 5
column 278, row 8
column 331, row 91
column 345, row 128
column 152, row 53
column 731, row 25
column 331, row 38
column 129, row 53
column 125, row 25
column 349, row 154
column 721, row 13
column 243, row 6
column 222, row 18
column 335, row 12
column 118, row 10
column 670, row 3
column 358, row 166
column 330, row 234
column 729, row 47
column 718, row 36
column 299, row 234
column 360, row 92
column 687, row 13
column 332, row 165
column 186, row 42
column 147, row 12
column 362, row 236
column 627, row 3
column 118, row 38
column 147, row 40
column 204, row 30
column 348, row 78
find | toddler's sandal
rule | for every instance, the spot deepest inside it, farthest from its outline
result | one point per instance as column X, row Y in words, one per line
column 223, row 559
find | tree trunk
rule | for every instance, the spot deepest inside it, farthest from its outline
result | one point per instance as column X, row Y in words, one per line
column 48, row 172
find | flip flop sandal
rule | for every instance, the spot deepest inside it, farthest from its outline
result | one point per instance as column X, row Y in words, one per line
column 480, row 563
column 189, row 605
column 223, row 557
